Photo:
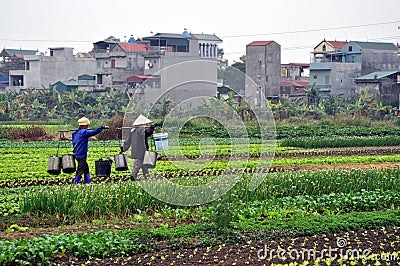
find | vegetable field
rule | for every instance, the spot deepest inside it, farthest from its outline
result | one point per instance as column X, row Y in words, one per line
column 331, row 196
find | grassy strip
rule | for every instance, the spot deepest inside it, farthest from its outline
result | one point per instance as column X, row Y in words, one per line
column 318, row 224
column 107, row 243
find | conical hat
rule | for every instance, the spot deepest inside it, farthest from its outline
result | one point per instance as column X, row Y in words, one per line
column 141, row 120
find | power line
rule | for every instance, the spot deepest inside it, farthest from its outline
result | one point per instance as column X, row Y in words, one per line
column 313, row 45
column 312, row 30
column 38, row 40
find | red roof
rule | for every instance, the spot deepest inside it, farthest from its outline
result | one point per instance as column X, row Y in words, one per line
column 259, row 43
column 18, row 55
column 303, row 83
column 299, row 64
column 295, row 83
column 337, row 44
column 136, row 47
column 138, row 78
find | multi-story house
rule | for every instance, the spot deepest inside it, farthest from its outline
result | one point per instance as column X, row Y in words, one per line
column 11, row 59
column 119, row 62
column 44, row 70
column 263, row 68
column 180, row 61
column 294, row 80
column 336, row 65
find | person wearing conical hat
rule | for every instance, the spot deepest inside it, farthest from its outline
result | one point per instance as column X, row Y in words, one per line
column 80, row 142
column 137, row 141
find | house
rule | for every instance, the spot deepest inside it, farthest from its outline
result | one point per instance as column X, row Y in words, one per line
column 327, row 51
column 84, row 82
column 66, row 86
column 105, row 45
column 178, row 59
column 294, row 79
column 13, row 59
column 263, row 67
column 335, row 70
column 142, row 81
column 385, row 85
column 121, row 61
column 373, row 56
column 43, row 70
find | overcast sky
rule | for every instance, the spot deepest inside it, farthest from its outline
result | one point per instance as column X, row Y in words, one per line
column 297, row 26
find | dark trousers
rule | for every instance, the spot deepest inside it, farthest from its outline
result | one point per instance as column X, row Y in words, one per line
column 83, row 167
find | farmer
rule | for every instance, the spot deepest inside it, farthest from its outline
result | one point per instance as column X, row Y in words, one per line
column 137, row 139
column 80, row 142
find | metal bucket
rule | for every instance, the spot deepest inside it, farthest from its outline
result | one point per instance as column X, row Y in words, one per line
column 121, row 162
column 68, row 163
column 103, row 167
column 150, row 159
column 54, row 165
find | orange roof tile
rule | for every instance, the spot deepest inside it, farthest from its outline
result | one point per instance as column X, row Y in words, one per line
column 136, row 47
column 337, row 44
column 259, row 43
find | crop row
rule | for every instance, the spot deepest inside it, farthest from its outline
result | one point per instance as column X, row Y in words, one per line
column 274, row 208
column 103, row 244
column 340, row 141
column 125, row 198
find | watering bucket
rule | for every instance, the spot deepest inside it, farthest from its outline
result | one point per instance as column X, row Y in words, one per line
column 54, row 165
column 68, row 163
column 103, row 167
column 150, row 159
column 121, row 162
column 161, row 141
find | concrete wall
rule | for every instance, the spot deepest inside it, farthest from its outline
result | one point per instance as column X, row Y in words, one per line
column 379, row 60
column 189, row 79
column 336, row 77
column 343, row 78
column 46, row 70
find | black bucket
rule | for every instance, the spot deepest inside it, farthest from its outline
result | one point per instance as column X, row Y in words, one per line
column 103, row 167
column 68, row 163
column 54, row 165
column 121, row 162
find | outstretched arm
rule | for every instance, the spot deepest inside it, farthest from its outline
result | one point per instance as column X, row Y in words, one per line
column 95, row 131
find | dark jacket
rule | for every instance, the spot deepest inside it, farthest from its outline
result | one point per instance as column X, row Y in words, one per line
column 137, row 140
column 80, row 140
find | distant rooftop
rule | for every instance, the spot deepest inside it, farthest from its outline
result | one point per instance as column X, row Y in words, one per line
column 377, row 75
column 259, row 43
column 376, row 45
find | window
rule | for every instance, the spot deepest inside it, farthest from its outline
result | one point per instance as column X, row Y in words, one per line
column 350, row 48
column 27, row 65
column 98, row 64
column 113, row 63
column 326, row 79
column 99, row 79
column 324, row 48
column 315, row 76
